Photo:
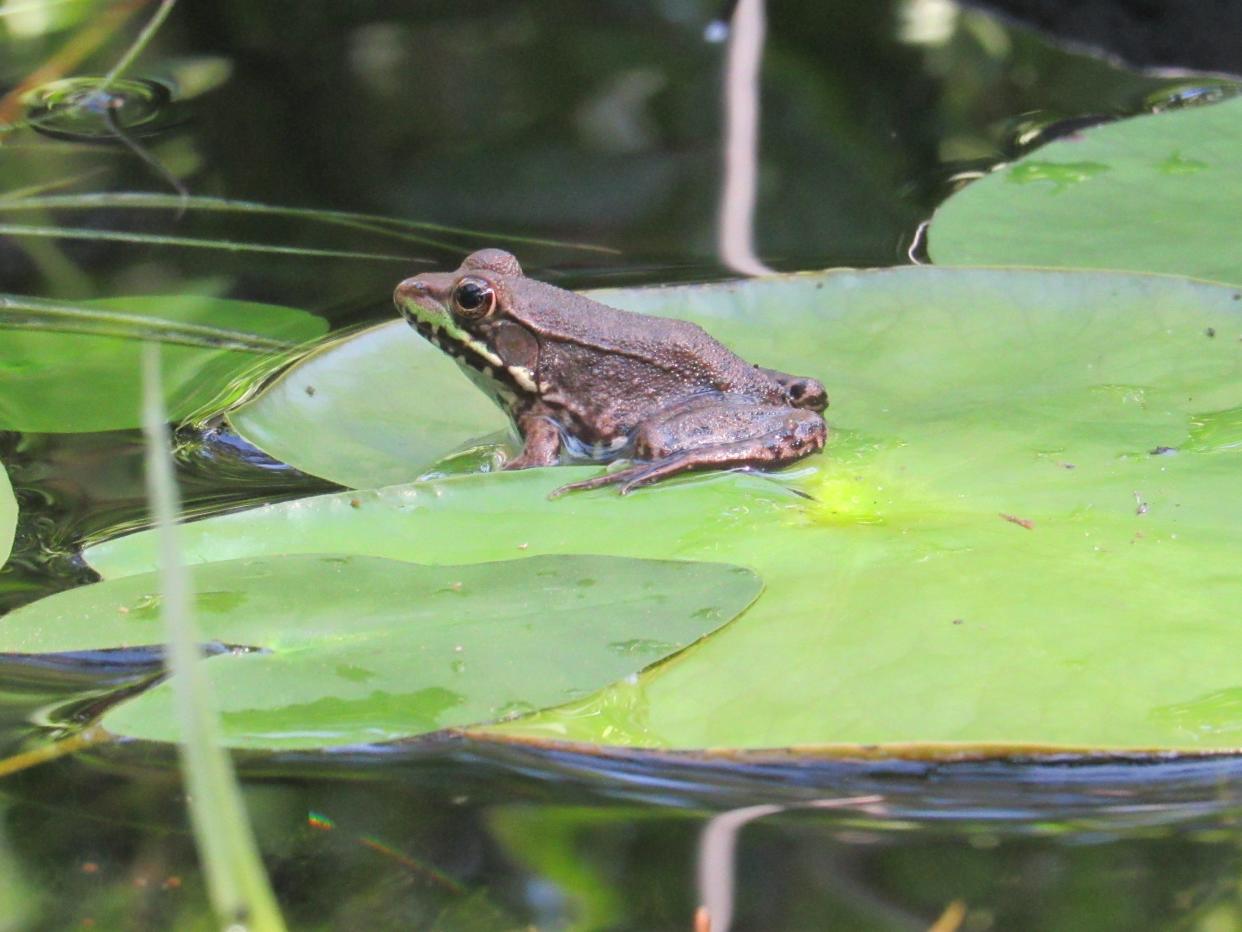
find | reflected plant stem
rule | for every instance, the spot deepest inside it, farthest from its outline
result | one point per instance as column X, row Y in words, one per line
column 110, row 110
column 79, row 47
column 736, row 233
column 718, row 846
column 49, row 752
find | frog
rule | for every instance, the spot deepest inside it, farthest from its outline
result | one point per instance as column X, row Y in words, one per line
column 585, row 382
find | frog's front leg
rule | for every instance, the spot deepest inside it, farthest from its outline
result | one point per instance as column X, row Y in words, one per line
column 742, row 434
column 542, row 441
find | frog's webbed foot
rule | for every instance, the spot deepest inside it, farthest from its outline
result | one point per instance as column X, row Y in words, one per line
column 759, row 436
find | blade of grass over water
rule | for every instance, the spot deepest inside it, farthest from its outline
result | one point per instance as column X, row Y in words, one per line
column 139, row 44
column 236, row 880
column 386, row 226
column 19, row 311
column 190, row 242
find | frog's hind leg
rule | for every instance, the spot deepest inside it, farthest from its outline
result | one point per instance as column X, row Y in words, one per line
column 758, row 437
column 630, row 477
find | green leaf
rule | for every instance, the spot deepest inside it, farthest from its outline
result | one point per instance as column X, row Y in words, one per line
column 364, row 438
column 357, row 649
column 1153, row 194
column 8, row 516
column 1000, row 548
column 69, row 382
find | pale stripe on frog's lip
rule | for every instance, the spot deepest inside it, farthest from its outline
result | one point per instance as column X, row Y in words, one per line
column 436, row 326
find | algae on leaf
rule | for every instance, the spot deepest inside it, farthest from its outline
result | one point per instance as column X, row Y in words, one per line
column 1023, row 532
column 1156, row 193
column 343, row 649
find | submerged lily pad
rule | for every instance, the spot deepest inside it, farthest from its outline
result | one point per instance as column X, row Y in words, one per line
column 349, row 649
column 381, row 405
column 1153, row 194
column 8, row 516
column 65, row 382
column 1023, row 533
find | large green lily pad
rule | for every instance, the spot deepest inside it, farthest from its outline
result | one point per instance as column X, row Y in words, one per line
column 1024, row 531
column 355, row 649
column 364, row 438
column 8, row 516
column 1154, row 194
column 54, row 382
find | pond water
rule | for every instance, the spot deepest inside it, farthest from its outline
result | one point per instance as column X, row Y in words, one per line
column 587, row 138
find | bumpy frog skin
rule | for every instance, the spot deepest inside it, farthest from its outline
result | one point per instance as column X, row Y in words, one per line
column 584, row 381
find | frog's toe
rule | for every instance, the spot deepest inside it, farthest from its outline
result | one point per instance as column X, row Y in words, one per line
column 595, row 482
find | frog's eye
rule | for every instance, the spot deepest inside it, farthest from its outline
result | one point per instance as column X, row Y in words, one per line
column 474, row 298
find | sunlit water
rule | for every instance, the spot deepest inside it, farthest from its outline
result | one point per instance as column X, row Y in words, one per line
column 871, row 117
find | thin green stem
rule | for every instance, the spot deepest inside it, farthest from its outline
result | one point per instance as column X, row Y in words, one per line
column 33, row 313
column 387, row 226
column 189, row 242
column 136, row 49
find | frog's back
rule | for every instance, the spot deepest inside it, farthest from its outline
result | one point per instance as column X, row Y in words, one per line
column 678, row 346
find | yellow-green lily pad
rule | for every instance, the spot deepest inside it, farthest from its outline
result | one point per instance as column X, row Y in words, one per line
column 70, row 382
column 1023, row 534
column 344, row 649
column 1155, row 193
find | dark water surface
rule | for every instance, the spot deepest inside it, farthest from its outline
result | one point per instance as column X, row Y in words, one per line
column 594, row 124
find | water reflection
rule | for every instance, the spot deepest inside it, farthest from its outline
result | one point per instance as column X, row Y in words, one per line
column 741, row 140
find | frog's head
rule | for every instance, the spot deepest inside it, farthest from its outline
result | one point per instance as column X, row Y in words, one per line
column 464, row 313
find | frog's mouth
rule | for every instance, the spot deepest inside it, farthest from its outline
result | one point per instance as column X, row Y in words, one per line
column 416, row 301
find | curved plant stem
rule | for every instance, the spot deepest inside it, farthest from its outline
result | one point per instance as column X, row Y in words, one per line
column 36, row 314
column 136, row 49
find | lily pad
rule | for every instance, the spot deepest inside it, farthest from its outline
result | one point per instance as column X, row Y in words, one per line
column 347, row 649
column 8, row 516
column 364, row 434
column 1153, row 194
column 1023, row 533
column 56, row 382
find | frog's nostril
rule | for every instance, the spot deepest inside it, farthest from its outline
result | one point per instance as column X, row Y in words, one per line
column 410, row 289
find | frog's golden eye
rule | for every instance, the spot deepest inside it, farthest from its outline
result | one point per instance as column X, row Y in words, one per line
column 474, row 298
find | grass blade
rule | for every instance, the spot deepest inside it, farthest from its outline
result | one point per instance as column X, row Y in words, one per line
column 236, row 881
column 189, row 242
column 394, row 227
column 19, row 311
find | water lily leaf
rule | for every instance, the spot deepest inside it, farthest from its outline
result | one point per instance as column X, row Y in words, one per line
column 70, row 382
column 354, row 649
column 380, row 407
column 1153, row 194
column 8, row 516
column 1023, row 533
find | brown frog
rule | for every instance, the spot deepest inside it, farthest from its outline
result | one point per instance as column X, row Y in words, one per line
column 583, row 381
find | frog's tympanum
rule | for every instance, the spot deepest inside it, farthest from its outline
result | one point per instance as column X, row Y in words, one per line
column 583, row 381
